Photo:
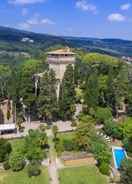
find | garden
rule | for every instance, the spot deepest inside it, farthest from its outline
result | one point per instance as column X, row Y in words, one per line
column 82, row 175
column 21, row 158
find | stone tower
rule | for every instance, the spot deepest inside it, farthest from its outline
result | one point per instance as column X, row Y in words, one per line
column 58, row 60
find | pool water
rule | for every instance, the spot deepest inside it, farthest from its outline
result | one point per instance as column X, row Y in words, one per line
column 119, row 156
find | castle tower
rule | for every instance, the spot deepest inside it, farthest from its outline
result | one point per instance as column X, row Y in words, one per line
column 58, row 60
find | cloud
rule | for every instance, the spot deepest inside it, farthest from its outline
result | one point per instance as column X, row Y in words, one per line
column 116, row 17
column 126, row 6
column 85, row 6
column 35, row 21
column 24, row 2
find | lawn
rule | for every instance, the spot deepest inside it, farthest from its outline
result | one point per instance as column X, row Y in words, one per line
column 9, row 177
column 82, row 175
column 66, row 136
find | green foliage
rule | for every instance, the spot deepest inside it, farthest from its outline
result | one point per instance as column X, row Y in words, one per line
column 17, row 160
column 33, row 169
column 6, row 165
column 34, row 144
column 47, row 99
column 5, row 74
column 127, row 142
column 91, row 92
column 103, row 114
column 5, row 149
column 126, row 172
column 104, row 168
column 100, row 58
column 112, row 129
column 100, row 150
column 67, row 95
column 1, row 117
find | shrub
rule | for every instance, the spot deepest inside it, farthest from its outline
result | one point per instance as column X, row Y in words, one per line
column 17, row 161
column 5, row 149
column 104, row 168
column 33, row 169
column 126, row 172
column 69, row 145
column 6, row 165
column 59, row 146
column 103, row 114
column 112, row 129
column 128, row 144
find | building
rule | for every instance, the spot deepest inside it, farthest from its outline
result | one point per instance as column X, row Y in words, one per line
column 58, row 60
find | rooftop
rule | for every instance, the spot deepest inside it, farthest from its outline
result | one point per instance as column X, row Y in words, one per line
column 66, row 50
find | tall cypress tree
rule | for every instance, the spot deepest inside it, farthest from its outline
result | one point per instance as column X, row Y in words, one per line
column 67, row 95
column 47, row 99
column 91, row 93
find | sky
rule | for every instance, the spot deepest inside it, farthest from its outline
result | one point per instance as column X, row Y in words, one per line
column 84, row 18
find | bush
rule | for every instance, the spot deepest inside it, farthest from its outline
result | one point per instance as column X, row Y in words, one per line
column 59, row 146
column 104, row 168
column 69, row 145
column 103, row 114
column 33, row 169
column 6, row 165
column 112, row 129
column 17, row 161
column 5, row 149
column 126, row 172
column 128, row 144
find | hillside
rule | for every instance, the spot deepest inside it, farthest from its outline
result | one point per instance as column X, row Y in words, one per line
column 17, row 44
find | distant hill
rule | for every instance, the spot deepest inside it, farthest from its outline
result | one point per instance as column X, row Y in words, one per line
column 115, row 47
column 14, row 42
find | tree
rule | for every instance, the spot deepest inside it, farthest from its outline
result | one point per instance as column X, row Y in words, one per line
column 84, row 133
column 17, row 160
column 5, row 150
column 47, row 99
column 128, row 144
column 34, row 145
column 91, row 92
column 19, row 121
column 111, row 99
column 112, row 129
column 103, row 114
column 26, row 84
column 1, row 117
column 126, row 172
column 33, row 169
column 67, row 95
column 5, row 74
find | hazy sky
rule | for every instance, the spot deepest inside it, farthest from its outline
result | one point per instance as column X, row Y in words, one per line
column 87, row 18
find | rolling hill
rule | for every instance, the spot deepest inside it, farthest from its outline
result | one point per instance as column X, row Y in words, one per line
column 16, row 43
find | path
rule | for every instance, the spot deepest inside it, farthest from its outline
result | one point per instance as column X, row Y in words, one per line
column 52, row 168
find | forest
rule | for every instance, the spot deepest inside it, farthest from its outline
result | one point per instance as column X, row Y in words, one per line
column 101, row 83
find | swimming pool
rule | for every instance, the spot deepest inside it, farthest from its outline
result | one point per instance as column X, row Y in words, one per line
column 119, row 154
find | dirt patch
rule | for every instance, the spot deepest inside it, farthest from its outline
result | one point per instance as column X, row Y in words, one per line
column 82, row 161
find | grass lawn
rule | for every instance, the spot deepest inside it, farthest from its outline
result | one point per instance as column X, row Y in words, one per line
column 82, row 175
column 9, row 177
column 66, row 136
